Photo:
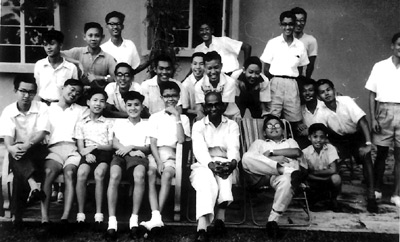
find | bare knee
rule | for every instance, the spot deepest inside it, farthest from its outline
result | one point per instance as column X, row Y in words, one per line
column 138, row 175
column 336, row 180
column 99, row 174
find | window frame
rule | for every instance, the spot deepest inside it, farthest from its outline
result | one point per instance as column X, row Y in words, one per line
column 22, row 66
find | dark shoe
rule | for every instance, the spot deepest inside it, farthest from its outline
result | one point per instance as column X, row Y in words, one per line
column 272, row 229
column 134, row 233
column 98, row 226
column 201, row 236
column 36, row 196
column 219, row 227
column 111, row 234
column 335, row 207
column 372, row 206
column 44, row 230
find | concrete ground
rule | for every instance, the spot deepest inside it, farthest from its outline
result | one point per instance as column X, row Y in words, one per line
column 354, row 216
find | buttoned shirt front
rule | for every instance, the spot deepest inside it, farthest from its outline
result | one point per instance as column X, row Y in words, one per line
column 63, row 122
column 206, row 136
column 308, row 117
column 283, row 58
column 163, row 127
column 345, row 119
column 115, row 97
column 126, row 52
column 188, row 94
column 50, row 81
column 95, row 132
column 228, row 48
column 132, row 134
column 22, row 126
column 316, row 162
column 102, row 64
column 384, row 80
column 152, row 95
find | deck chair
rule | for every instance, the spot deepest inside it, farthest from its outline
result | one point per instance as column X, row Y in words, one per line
column 252, row 129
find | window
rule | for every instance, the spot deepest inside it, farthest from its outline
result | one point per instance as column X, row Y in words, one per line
column 187, row 16
column 21, row 27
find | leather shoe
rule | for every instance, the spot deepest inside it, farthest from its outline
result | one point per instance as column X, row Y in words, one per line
column 111, row 234
column 219, row 227
column 201, row 236
column 36, row 196
column 272, row 229
column 134, row 233
column 372, row 206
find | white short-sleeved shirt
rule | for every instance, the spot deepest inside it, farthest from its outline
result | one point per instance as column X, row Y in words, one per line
column 126, row 52
column 63, row 122
column 308, row 117
column 131, row 134
column 310, row 43
column 316, row 162
column 385, row 81
column 22, row 126
column 50, row 81
column 345, row 119
column 264, row 87
column 152, row 96
column 95, row 132
column 226, row 86
column 114, row 96
column 283, row 58
column 206, row 136
column 163, row 128
column 188, row 94
column 228, row 48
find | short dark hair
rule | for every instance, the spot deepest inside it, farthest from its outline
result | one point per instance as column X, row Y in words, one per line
column 321, row 82
column 303, row 81
column 298, row 10
column 94, row 91
column 115, row 14
column 93, row 25
column 24, row 77
column 169, row 85
column 317, row 127
column 395, row 37
column 208, row 23
column 212, row 55
column 252, row 60
column 287, row 14
column 133, row 95
column 197, row 54
column 269, row 117
column 217, row 94
column 73, row 82
column 52, row 34
column 163, row 57
column 123, row 64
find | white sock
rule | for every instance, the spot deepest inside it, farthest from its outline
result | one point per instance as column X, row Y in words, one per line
column 80, row 217
column 274, row 216
column 156, row 215
column 98, row 217
column 133, row 221
column 112, row 223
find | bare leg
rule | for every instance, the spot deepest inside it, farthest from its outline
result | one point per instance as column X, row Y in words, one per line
column 51, row 169
column 397, row 171
column 138, row 176
column 69, row 180
column 166, row 179
column 83, row 172
column 99, row 174
column 112, row 191
column 152, row 175
column 379, row 166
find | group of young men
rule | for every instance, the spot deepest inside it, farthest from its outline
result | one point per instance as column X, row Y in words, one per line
column 53, row 133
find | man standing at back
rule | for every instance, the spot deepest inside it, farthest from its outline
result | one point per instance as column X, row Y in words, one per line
column 310, row 43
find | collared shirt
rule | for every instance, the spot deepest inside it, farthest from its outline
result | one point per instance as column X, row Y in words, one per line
column 206, row 136
column 94, row 132
column 264, row 87
column 102, row 64
column 385, row 81
column 50, row 80
column 228, row 48
column 226, row 86
column 20, row 126
column 316, row 162
column 131, row 134
column 345, row 119
column 310, row 43
column 308, row 117
column 126, row 52
column 188, row 93
column 63, row 122
column 152, row 96
column 283, row 58
column 114, row 96
column 163, row 128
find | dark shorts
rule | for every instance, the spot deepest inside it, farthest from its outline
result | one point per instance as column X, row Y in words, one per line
column 102, row 156
column 128, row 162
column 348, row 144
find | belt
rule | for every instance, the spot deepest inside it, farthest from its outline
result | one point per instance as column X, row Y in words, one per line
column 287, row 77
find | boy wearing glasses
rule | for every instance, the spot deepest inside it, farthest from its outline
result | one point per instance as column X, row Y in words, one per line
column 273, row 162
column 284, row 57
column 24, row 125
column 123, row 50
column 168, row 127
column 124, row 75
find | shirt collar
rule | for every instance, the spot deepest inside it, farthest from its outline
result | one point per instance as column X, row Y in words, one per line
column 101, row 119
column 294, row 42
column 101, row 53
column 208, row 122
column 33, row 109
column 324, row 147
column 279, row 142
column 62, row 65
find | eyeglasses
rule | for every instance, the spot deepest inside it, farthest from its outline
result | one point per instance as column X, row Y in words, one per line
column 276, row 126
column 30, row 93
column 114, row 24
column 120, row 74
column 287, row 24
column 170, row 96
column 211, row 105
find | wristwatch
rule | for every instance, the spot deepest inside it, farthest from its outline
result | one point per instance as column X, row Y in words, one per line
column 368, row 143
column 271, row 152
